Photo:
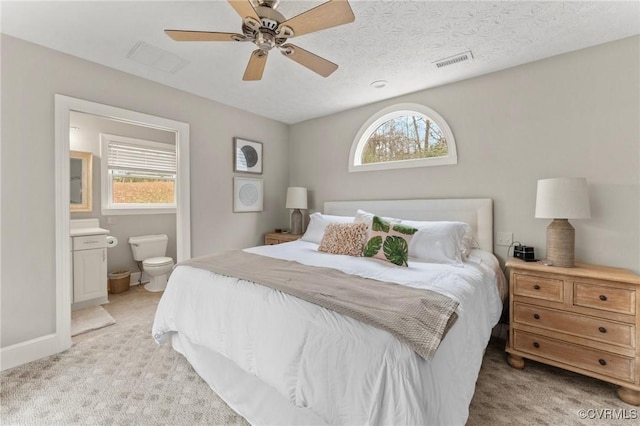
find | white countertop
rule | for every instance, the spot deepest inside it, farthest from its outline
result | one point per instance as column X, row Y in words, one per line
column 87, row 231
column 81, row 227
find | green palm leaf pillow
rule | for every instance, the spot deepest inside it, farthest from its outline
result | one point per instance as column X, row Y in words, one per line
column 389, row 241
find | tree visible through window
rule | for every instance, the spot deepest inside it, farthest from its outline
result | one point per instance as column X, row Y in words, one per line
column 404, row 135
column 405, row 138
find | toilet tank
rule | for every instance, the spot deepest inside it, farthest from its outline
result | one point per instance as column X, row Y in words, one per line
column 148, row 246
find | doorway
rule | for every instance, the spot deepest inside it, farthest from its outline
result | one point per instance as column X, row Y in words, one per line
column 64, row 105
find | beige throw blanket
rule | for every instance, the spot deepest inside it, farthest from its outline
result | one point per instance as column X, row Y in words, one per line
column 420, row 318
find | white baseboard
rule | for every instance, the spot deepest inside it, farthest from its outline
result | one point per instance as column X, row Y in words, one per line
column 31, row 350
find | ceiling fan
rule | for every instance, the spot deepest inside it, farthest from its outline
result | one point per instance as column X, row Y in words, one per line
column 264, row 26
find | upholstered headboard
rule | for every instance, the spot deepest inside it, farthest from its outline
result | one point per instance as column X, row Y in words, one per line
column 477, row 212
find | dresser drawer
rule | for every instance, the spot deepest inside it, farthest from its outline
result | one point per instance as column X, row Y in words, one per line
column 604, row 298
column 271, row 241
column 593, row 360
column 89, row 242
column 539, row 287
column 576, row 324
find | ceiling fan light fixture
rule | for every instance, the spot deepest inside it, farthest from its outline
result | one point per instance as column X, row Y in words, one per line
column 265, row 40
column 267, row 28
column 379, row 84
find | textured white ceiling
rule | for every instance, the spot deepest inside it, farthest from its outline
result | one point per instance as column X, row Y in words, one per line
column 397, row 41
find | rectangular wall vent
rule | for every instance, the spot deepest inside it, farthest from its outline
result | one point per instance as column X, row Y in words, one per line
column 461, row 57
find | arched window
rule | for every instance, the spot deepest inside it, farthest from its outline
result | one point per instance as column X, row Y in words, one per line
column 400, row 136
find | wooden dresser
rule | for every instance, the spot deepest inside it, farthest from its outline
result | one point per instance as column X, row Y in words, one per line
column 584, row 319
column 272, row 238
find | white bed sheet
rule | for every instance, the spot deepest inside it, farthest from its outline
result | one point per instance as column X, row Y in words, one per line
column 333, row 368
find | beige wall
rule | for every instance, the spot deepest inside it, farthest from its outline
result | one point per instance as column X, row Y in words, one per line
column 30, row 76
column 572, row 115
column 576, row 114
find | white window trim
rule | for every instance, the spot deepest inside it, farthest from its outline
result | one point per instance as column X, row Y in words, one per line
column 388, row 113
column 106, row 206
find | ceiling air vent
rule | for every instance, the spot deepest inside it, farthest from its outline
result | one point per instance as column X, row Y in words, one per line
column 461, row 57
column 157, row 58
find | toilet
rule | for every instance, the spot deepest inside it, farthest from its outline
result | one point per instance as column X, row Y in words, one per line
column 151, row 250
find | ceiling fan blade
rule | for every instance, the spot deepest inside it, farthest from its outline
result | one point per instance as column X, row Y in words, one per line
column 244, row 9
column 307, row 59
column 179, row 35
column 327, row 15
column 255, row 67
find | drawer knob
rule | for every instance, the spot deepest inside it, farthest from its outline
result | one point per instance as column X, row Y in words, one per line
column 536, row 287
column 603, row 297
column 536, row 316
column 602, row 329
column 602, row 361
column 536, row 344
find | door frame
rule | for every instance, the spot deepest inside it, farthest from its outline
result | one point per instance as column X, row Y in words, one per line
column 63, row 107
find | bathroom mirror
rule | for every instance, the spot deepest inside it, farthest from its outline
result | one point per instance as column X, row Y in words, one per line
column 80, row 173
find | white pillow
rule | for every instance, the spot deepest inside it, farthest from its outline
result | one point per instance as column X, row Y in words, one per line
column 317, row 224
column 468, row 243
column 438, row 242
column 366, row 217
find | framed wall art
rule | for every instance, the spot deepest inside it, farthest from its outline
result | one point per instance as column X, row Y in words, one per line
column 247, row 194
column 247, row 156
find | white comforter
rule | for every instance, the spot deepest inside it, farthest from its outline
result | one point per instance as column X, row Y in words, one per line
column 343, row 371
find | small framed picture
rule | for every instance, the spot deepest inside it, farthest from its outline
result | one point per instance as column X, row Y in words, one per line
column 247, row 156
column 247, row 194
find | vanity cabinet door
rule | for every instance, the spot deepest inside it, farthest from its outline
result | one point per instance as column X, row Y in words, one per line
column 89, row 274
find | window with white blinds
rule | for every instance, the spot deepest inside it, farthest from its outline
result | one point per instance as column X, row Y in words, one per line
column 136, row 159
column 138, row 176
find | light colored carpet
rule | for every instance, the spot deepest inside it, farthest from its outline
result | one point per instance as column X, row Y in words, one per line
column 90, row 318
column 117, row 375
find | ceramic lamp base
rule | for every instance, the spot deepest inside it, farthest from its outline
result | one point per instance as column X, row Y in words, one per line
column 296, row 222
column 561, row 244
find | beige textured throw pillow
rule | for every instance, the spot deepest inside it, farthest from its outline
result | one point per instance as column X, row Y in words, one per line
column 344, row 238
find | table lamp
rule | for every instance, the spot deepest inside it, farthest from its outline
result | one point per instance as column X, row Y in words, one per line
column 562, row 199
column 296, row 199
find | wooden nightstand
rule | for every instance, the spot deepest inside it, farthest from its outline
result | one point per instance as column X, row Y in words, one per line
column 584, row 319
column 272, row 238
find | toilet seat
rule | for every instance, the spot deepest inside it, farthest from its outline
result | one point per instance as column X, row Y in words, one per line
column 157, row 261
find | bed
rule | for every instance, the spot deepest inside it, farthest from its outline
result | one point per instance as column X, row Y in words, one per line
column 277, row 359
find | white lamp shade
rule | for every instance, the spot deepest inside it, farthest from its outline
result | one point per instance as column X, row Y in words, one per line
column 296, row 198
column 563, row 198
